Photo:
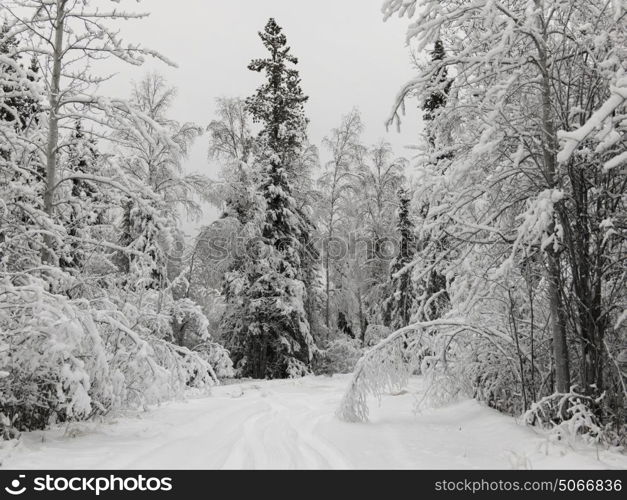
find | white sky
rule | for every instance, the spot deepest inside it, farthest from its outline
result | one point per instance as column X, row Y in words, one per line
column 348, row 57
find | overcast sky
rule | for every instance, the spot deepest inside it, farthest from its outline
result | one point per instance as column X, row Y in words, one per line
column 348, row 57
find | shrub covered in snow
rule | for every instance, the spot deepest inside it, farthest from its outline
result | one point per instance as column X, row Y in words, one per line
column 567, row 416
column 64, row 359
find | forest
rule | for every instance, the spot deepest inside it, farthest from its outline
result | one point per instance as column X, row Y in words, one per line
column 489, row 259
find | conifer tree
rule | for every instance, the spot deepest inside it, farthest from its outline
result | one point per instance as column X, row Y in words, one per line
column 440, row 81
column 398, row 307
column 272, row 337
column 82, row 211
column 16, row 105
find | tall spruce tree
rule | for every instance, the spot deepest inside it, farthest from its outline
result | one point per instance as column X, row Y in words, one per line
column 272, row 338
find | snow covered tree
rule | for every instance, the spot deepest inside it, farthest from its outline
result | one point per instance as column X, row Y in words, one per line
column 155, row 152
column 379, row 176
column 221, row 249
column 271, row 334
column 231, row 142
column 337, row 180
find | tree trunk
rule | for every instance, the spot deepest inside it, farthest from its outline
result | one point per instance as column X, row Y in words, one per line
column 558, row 326
column 362, row 322
column 263, row 357
column 53, row 121
column 587, row 270
column 549, row 152
column 328, row 287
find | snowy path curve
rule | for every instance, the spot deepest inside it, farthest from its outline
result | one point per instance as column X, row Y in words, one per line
column 290, row 424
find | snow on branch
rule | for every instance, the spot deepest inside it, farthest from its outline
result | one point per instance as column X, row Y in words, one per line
column 571, row 140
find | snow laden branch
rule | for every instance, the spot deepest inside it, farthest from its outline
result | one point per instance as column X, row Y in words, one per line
column 388, row 365
column 601, row 123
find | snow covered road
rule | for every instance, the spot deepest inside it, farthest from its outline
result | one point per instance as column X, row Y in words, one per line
column 291, row 424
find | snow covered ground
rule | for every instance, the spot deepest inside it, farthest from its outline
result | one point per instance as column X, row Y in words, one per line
column 291, row 424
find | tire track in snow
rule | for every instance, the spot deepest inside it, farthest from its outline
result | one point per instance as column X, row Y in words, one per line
column 247, row 452
column 281, row 435
column 320, row 454
column 194, row 438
